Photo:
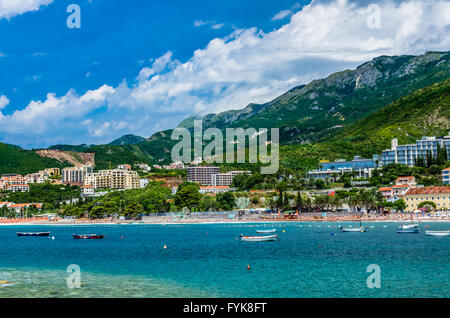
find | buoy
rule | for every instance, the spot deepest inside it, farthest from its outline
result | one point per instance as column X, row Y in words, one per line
column 165, row 246
column 320, row 245
column 121, row 237
column 284, row 231
column 248, row 267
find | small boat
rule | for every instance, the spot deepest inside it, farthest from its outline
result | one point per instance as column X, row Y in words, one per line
column 33, row 233
column 88, row 236
column 266, row 231
column 411, row 230
column 353, row 229
column 437, row 233
column 408, row 226
column 259, row 238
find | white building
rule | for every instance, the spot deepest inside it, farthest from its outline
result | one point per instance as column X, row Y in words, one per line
column 75, row 175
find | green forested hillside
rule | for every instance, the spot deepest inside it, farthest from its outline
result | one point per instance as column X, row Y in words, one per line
column 14, row 159
column 425, row 112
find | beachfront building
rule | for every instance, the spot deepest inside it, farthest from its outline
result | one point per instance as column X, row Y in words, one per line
column 361, row 166
column 202, row 174
column 438, row 195
column 225, row 179
column 446, row 176
column 75, row 175
column 113, row 179
column 402, row 185
column 408, row 154
column 14, row 183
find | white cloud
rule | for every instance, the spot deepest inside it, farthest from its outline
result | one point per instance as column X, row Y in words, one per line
column 4, row 101
column 246, row 66
column 213, row 24
column 11, row 8
column 281, row 15
column 285, row 13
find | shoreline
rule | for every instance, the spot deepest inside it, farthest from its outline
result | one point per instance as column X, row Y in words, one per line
column 201, row 222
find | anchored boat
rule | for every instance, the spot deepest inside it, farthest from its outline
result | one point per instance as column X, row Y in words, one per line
column 259, row 238
column 437, row 233
column 88, row 236
column 407, row 230
column 266, row 231
column 33, row 233
column 353, row 229
column 408, row 226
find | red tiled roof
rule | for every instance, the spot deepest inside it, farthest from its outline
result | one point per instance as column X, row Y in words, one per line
column 429, row 190
column 385, row 189
column 409, row 178
column 400, row 186
column 446, row 169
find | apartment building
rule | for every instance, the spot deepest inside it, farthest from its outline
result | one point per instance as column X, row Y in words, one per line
column 225, row 179
column 408, row 154
column 14, row 183
column 402, row 185
column 446, row 176
column 202, row 174
column 113, row 179
column 75, row 175
column 439, row 195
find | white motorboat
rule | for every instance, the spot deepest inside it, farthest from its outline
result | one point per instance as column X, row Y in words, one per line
column 259, row 238
column 408, row 226
column 437, row 233
column 353, row 229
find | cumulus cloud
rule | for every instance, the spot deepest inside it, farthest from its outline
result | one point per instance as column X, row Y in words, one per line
column 4, row 101
column 11, row 8
column 246, row 66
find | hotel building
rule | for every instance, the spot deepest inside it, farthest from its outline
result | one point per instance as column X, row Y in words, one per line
column 439, row 195
column 446, row 176
column 75, row 175
column 363, row 167
column 202, row 174
column 408, row 154
column 113, row 179
column 225, row 179
column 15, row 183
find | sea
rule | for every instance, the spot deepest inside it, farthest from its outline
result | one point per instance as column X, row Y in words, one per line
column 210, row 260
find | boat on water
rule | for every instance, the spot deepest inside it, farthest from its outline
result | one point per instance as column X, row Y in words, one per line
column 410, row 230
column 353, row 229
column 266, row 231
column 88, row 236
column 259, row 238
column 437, row 233
column 408, row 226
column 33, row 233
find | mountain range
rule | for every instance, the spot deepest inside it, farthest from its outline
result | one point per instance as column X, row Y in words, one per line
column 347, row 113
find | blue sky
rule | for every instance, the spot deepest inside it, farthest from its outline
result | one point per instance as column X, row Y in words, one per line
column 143, row 66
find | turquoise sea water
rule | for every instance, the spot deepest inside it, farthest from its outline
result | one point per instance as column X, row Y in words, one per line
column 309, row 260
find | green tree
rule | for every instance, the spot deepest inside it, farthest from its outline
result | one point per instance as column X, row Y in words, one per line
column 133, row 210
column 189, row 196
column 225, row 201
